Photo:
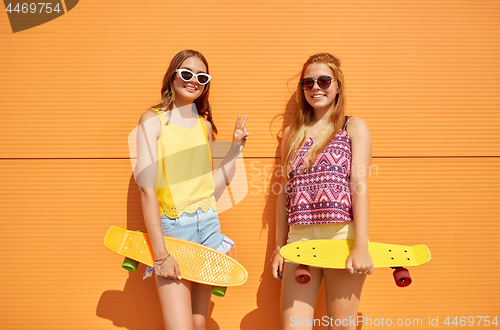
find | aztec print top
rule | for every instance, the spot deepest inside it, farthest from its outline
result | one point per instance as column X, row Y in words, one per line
column 321, row 194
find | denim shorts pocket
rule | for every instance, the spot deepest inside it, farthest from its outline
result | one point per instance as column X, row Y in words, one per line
column 167, row 223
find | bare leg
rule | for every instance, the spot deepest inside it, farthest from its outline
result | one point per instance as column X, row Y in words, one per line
column 200, row 300
column 343, row 293
column 298, row 300
column 175, row 299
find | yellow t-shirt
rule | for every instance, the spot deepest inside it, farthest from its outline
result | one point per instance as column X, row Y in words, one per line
column 184, row 179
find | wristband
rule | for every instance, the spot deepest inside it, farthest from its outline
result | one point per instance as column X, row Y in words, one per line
column 160, row 262
column 157, row 260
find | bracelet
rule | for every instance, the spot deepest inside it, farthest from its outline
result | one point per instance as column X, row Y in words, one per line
column 274, row 252
column 160, row 262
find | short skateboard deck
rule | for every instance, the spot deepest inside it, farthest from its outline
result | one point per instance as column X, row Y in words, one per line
column 334, row 253
column 197, row 263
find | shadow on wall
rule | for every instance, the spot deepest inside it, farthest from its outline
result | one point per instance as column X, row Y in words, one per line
column 137, row 307
column 267, row 315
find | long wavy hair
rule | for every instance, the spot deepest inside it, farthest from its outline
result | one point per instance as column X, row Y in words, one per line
column 168, row 92
column 305, row 113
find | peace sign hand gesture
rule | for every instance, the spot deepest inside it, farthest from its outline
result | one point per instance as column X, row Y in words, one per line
column 240, row 133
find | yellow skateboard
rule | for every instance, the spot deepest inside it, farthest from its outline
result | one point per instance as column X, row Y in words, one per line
column 197, row 263
column 333, row 254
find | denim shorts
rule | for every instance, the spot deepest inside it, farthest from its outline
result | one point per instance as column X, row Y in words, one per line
column 198, row 227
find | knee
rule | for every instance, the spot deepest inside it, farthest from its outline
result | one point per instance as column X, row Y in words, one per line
column 199, row 322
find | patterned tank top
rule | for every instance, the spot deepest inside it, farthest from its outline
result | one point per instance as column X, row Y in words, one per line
column 321, row 194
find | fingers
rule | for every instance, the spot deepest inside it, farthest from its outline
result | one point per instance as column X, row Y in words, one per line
column 359, row 263
column 358, row 270
column 243, row 123
column 348, row 266
column 177, row 272
column 278, row 271
column 277, row 267
column 368, row 270
column 240, row 134
column 237, row 125
column 170, row 270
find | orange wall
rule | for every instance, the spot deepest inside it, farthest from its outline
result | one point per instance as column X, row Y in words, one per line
column 423, row 74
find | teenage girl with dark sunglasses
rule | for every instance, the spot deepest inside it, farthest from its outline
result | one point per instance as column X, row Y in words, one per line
column 326, row 156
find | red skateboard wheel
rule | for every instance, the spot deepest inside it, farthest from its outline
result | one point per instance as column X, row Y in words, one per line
column 302, row 274
column 402, row 277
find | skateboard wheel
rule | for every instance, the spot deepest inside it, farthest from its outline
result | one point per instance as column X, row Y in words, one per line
column 219, row 291
column 130, row 265
column 302, row 274
column 402, row 277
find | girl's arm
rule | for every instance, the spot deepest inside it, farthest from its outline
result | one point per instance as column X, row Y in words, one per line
column 282, row 226
column 148, row 132
column 223, row 175
column 359, row 260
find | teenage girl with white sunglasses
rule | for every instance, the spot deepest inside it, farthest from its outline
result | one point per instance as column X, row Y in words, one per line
column 178, row 188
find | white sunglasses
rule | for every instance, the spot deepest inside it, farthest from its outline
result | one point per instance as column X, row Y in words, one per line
column 187, row 75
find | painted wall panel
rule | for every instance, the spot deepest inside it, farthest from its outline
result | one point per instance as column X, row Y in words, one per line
column 57, row 268
column 423, row 74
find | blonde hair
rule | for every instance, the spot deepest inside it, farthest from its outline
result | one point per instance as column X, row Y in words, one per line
column 305, row 113
column 168, row 93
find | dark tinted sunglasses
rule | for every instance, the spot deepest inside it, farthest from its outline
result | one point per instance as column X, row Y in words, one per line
column 187, row 75
column 323, row 82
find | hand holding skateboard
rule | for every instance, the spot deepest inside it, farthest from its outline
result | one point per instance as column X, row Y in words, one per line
column 195, row 262
column 335, row 253
column 169, row 268
column 277, row 265
column 359, row 262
